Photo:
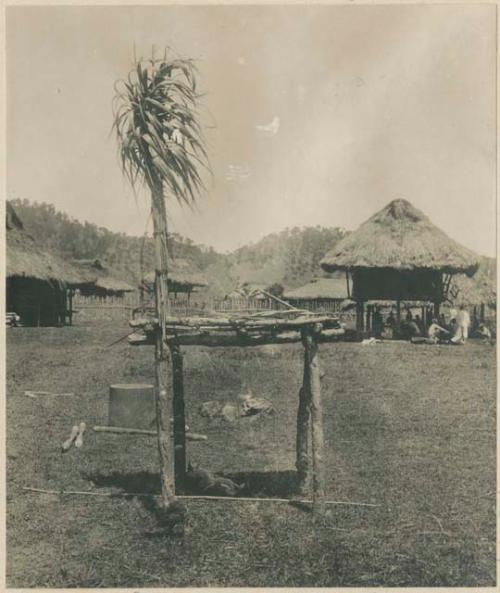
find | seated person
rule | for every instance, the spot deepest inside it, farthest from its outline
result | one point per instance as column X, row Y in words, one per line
column 413, row 329
column 436, row 333
column 483, row 331
column 391, row 321
column 419, row 324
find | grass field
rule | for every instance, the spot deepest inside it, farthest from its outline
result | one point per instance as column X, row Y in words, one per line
column 410, row 428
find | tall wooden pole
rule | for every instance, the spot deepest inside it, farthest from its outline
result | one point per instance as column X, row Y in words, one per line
column 162, row 306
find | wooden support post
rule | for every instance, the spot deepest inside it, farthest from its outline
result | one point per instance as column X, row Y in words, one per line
column 482, row 314
column 316, row 406
column 348, row 287
column 398, row 314
column 303, row 433
column 360, row 309
column 70, row 306
column 179, row 418
column 436, row 309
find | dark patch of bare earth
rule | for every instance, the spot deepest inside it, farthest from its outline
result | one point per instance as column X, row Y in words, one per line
column 409, row 428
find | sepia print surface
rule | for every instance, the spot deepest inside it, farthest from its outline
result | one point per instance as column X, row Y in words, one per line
column 251, row 296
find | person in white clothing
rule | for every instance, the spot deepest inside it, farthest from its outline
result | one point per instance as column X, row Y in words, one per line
column 462, row 326
column 435, row 333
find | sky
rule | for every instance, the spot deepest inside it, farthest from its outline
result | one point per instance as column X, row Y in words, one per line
column 314, row 115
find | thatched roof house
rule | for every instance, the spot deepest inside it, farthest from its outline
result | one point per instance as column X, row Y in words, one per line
column 25, row 259
column 36, row 279
column 98, row 279
column 400, row 237
column 183, row 276
column 398, row 254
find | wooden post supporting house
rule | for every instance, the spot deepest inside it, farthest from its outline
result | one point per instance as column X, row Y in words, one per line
column 436, row 309
column 70, row 306
column 360, row 310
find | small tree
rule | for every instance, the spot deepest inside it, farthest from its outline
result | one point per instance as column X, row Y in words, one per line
column 161, row 146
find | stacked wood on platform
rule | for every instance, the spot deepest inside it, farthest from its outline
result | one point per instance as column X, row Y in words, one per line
column 273, row 327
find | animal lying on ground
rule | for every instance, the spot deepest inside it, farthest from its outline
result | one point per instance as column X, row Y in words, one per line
column 201, row 481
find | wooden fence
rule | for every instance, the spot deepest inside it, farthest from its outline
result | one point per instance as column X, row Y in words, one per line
column 88, row 308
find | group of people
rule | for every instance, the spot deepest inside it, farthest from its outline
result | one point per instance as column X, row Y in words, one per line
column 455, row 330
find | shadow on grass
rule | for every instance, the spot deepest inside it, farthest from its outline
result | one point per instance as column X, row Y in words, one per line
column 280, row 484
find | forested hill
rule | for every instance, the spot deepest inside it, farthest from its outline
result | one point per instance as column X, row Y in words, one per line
column 290, row 257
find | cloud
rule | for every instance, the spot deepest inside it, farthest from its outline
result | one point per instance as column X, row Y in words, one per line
column 270, row 129
column 235, row 172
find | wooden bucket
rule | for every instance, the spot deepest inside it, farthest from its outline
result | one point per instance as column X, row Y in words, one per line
column 132, row 405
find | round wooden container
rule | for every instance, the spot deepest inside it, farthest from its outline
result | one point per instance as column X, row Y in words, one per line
column 132, row 405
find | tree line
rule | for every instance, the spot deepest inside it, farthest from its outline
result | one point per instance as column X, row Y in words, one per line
column 288, row 258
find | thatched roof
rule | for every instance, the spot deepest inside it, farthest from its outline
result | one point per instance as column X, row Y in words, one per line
column 319, row 288
column 182, row 274
column 94, row 273
column 403, row 238
column 26, row 259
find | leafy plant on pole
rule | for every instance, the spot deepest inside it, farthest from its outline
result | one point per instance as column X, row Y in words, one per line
column 161, row 146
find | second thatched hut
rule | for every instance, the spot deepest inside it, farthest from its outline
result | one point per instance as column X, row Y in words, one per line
column 320, row 294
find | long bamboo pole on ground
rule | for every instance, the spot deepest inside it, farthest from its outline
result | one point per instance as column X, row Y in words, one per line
column 161, row 348
column 316, row 407
column 179, row 418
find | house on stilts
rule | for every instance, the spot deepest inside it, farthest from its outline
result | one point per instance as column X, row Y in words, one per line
column 398, row 255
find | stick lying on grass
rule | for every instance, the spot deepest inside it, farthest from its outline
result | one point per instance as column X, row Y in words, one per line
column 35, row 394
column 190, row 436
column 188, row 497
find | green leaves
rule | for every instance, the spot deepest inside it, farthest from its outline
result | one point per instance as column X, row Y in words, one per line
column 156, row 124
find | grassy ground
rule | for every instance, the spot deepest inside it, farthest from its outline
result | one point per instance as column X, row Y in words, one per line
column 411, row 428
